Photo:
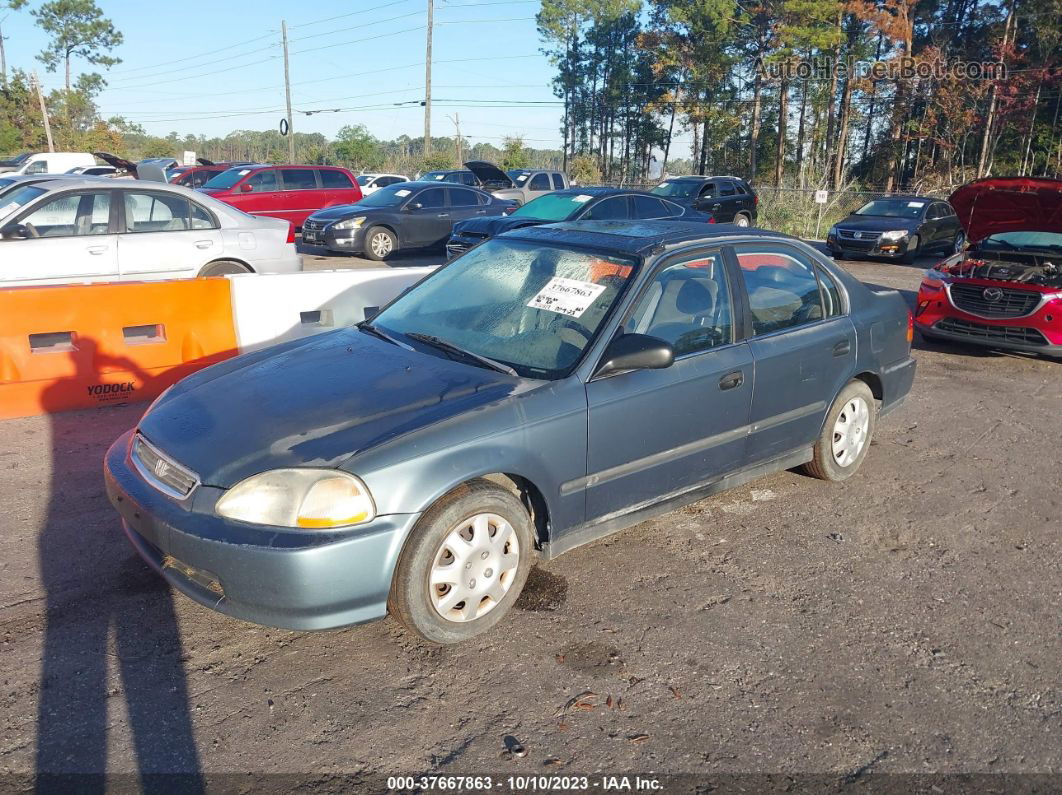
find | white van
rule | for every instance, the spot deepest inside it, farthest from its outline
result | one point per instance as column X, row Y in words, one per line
column 46, row 162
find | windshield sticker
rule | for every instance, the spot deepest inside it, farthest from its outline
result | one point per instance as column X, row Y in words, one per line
column 566, row 296
column 245, row 172
column 402, row 192
column 916, row 204
column 9, row 208
column 439, row 176
column 582, row 197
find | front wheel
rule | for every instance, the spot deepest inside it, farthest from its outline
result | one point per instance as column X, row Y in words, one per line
column 464, row 564
column 912, row 249
column 846, row 434
column 380, row 243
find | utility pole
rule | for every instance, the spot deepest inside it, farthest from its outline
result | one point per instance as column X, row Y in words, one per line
column 3, row 57
column 287, row 91
column 44, row 111
column 427, row 85
column 456, row 119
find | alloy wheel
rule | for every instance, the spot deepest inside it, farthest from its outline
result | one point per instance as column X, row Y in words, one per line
column 381, row 244
column 474, row 567
column 741, row 221
column 850, row 431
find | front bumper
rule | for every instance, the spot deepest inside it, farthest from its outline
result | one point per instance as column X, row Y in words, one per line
column 280, row 578
column 336, row 239
column 1040, row 332
column 847, row 247
column 459, row 244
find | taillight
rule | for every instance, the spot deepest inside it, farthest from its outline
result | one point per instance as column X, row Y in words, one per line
column 711, row 219
column 291, row 233
column 755, row 201
column 910, row 327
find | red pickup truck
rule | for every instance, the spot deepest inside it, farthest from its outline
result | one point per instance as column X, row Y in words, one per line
column 289, row 192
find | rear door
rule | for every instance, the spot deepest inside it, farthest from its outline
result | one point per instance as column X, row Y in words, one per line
column 165, row 235
column 464, row 203
column 690, row 419
column 803, row 343
column 301, row 196
column 614, row 208
column 429, row 222
column 72, row 239
column 338, row 188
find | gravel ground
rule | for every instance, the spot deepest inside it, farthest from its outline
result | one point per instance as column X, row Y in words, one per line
column 907, row 621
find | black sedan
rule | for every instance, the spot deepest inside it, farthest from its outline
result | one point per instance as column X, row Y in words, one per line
column 577, row 204
column 897, row 227
column 404, row 215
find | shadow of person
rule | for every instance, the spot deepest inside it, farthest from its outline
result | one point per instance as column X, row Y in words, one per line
column 103, row 604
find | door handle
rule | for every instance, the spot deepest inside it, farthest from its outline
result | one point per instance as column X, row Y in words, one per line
column 444, row 215
column 716, row 206
column 842, row 348
column 204, row 243
column 732, row 380
column 97, row 249
column 481, row 212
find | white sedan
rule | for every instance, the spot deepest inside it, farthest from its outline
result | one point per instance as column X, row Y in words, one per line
column 370, row 183
column 88, row 230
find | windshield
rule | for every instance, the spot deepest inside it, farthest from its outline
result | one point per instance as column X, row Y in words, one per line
column 18, row 197
column 518, row 176
column 444, row 176
column 893, row 208
column 553, row 206
column 678, row 188
column 530, row 306
column 1024, row 239
column 226, row 179
column 363, row 179
column 16, row 160
column 391, row 196
column 5, row 182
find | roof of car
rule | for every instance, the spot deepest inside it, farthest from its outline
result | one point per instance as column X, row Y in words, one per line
column 634, row 237
column 435, row 183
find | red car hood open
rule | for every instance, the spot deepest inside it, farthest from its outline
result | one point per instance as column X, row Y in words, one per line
column 1008, row 204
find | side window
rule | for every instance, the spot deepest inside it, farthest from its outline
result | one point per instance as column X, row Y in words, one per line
column 263, row 181
column 782, row 288
column 459, row 197
column 726, row 188
column 831, row 296
column 37, row 167
column 298, row 179
column 337, row 180
column 739, row 188
column 673, row 210
column 201, row 219
column 688, row 305
column 540, row 182
column 156, row 212
column 431, row 199
column 71, row 215
column 708, row 190
column 558, row 181
column 648, row 207
column 468, row 178
column 613, row 209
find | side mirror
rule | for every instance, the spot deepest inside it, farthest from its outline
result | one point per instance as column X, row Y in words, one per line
column 246, row 187
column 635, row 352
column 414, row 206
column 14, row 232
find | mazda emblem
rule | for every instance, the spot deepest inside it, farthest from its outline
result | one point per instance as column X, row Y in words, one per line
column 992, row 294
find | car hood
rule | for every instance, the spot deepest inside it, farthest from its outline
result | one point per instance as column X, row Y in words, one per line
column 495, row 224
column 119, row 163
column 1008, row 204
column 875, row 223
column 311, row 403
column 341, row 211
column 489, row 174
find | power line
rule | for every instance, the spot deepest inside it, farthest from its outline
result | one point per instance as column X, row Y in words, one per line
column 351, row 14
column 193, row 57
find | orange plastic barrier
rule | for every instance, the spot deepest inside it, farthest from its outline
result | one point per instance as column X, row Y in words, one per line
column 78, row 346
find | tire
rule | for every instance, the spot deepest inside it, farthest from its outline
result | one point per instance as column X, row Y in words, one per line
column 742, row 220
column 476, row 512
column 223, row 267
column 826, row 464
column 380, row 243
column 912, row 250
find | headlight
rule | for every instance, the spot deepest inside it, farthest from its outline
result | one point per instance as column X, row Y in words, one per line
column 350, row 223
column 832, row 232
column 895, row 234
column 311, row 499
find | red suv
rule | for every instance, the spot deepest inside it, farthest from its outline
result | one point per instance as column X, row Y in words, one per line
column 289, row 192
column 1005, row 290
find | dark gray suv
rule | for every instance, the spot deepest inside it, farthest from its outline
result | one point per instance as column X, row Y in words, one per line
column 551, row 386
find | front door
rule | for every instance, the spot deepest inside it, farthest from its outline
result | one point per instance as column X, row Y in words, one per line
column 67, row 239
column 430, row 219
column 803, row 343
column 652, row 433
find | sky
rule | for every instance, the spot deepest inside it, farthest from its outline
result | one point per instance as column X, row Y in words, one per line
column 212, row 67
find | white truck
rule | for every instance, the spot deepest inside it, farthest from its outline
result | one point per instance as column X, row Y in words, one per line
column 46, row 162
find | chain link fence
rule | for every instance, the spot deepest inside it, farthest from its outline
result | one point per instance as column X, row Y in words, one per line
column 794, row 211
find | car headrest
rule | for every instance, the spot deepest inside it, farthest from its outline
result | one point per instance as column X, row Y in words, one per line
column 695, row 296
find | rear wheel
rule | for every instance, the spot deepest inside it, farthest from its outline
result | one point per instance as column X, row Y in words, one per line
column 741, row 220
column 464, row 564
column 846, row 434
column 380, row 243
column 223, row 267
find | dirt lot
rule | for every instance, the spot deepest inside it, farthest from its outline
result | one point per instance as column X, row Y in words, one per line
column 905, row 622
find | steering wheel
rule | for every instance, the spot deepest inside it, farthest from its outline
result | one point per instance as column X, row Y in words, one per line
column 570, row 329
column 31, row 230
